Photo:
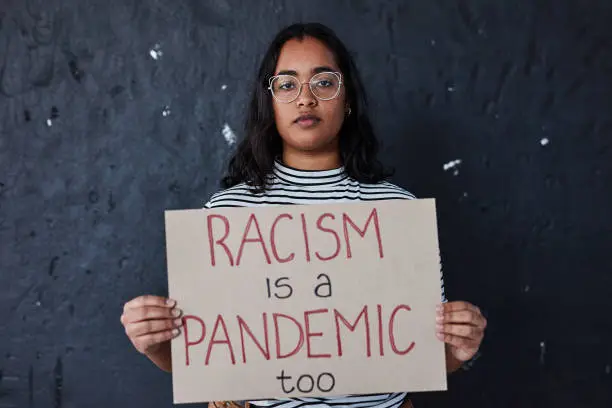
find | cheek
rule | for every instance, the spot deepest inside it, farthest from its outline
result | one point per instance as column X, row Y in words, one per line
column 339, row 108
column 283, row 114
column 335, row 114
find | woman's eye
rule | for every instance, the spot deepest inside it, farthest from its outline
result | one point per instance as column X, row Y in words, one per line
column 324, row 83
column 285, row 86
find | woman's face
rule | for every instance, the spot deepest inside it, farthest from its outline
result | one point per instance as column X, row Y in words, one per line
column 308, row 124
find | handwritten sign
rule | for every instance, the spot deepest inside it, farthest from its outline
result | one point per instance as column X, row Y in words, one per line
column 318, row 300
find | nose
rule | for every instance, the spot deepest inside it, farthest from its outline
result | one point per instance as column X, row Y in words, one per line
column 306, row 98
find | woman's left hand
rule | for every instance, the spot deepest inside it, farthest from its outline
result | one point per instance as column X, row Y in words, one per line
column 461, row 325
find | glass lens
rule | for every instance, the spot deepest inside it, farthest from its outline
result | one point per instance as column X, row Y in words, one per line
column 325, row 85
column 285, row 87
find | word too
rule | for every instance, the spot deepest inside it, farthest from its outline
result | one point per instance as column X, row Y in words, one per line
column 336, row 323
column 325, row 382
column 220, row 228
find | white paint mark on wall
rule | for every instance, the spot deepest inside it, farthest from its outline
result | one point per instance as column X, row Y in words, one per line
column 156, row 52
column 526, row 289
column 453, row 164
column 223, row 87
column 544, row 141
column 451, row 88
column 49, row 122
column 228, row 134
column 166, row 112
column 542, row 351
column 433, row 42
column 38, row 303
column 465, row 195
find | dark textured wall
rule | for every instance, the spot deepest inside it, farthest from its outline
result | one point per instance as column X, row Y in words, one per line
column 113, row 111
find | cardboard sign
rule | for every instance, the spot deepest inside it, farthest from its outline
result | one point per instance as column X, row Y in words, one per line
column 317, row 300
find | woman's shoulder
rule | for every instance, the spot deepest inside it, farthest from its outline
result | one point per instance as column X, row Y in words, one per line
column 386, row 190
column 234, row 196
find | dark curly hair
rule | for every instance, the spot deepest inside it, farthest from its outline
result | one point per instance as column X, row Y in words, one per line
column 254, row 157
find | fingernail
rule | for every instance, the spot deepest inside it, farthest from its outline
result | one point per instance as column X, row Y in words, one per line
column 440, row 336
column 176, row 332
column 170, row 302
column 439, row 327
column 439, row 318
column 177, row 322
column 177, row 312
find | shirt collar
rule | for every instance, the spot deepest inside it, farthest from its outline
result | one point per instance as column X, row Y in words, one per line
column 308, row 177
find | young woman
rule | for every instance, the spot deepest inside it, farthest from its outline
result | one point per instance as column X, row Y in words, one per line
column 308, row 141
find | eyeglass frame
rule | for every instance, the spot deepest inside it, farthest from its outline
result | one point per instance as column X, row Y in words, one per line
column 309, row 82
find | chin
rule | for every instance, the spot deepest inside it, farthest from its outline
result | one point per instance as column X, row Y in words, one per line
column 309, row 142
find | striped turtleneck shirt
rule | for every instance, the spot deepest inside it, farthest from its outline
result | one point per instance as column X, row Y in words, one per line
column 287, row 185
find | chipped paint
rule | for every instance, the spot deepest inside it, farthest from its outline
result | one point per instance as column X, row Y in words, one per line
column 451, row 164
column 228, row 134
column 156, row 52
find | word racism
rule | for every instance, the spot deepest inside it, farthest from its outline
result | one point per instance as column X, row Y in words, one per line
column 219, row 339
column 219, row 230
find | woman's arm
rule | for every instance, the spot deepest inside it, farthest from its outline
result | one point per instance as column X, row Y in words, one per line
column 151, row 322
column 452, row 363
column 162, row 357
column 461, row 326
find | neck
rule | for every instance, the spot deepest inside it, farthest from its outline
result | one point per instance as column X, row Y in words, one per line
column 312, row 161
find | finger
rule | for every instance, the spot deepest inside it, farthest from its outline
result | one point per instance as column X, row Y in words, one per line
column 149, row 300
column 151, row 326
column 459, row 306
column 463, row 316
column 461, row 330
column 150, row 313
column 148, row 340
column 457, row 341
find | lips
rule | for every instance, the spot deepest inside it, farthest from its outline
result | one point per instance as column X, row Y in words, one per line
column 307, row 120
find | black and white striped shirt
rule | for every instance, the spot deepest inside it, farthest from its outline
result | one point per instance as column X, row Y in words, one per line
column 292, row 186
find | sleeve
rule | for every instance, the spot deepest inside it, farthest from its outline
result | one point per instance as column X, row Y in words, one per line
column 211, row 200
column 470, row 363
column 442, row 294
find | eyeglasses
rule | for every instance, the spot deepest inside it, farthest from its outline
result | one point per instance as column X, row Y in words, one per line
column 287, row 88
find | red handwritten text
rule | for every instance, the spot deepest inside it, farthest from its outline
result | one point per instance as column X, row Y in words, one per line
column 302, row 329
column 271, row 249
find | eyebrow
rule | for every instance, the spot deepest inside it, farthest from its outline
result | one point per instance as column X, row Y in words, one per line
column 315, row 70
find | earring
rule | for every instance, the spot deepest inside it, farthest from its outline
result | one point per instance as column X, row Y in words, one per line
column 349, row 112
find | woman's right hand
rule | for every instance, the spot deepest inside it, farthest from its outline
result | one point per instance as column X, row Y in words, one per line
column 151, row 321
